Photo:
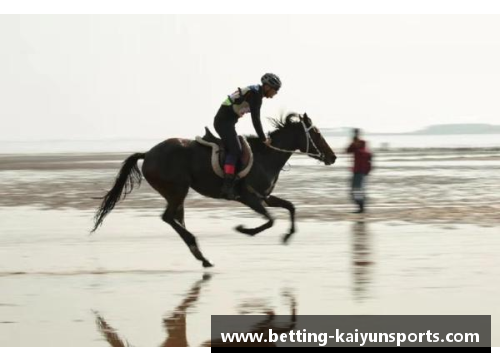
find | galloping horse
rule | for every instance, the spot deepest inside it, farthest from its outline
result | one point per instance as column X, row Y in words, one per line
column 175, row 165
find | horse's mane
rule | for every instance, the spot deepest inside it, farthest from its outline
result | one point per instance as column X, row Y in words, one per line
column 285, row 120
column 280, row 123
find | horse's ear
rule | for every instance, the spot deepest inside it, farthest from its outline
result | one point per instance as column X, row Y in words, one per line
column 307, row 120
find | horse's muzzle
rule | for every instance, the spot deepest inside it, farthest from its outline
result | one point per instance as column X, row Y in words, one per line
column 329, row 160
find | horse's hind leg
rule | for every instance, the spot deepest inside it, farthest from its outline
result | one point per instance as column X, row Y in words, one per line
column 255, row 203
column 274, row 201
column 174, row 216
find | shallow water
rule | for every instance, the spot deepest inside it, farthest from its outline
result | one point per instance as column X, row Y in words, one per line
column 137, row 275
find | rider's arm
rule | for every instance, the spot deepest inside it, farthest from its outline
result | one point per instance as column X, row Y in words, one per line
column 255, row 102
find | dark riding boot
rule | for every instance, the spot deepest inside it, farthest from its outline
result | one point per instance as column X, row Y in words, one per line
column 228, row 188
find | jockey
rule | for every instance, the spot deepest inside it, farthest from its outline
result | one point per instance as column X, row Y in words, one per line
column 244, row 100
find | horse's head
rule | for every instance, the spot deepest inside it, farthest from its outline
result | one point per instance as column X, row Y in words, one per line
column 313, row 142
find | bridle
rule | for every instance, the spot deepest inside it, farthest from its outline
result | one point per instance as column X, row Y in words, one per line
column 309, row 140
column 307, row 132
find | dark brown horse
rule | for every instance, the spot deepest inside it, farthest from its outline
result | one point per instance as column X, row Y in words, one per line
column 175, row 165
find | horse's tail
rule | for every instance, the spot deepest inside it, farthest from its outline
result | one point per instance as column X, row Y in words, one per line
column 128, row 177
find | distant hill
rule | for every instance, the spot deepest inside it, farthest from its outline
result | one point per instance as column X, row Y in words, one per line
column 439, row 129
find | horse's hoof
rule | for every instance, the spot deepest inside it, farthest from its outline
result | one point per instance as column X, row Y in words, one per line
column 207, row 264
column 286, row 237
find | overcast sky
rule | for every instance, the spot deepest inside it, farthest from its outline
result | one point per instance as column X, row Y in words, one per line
column 141, row 76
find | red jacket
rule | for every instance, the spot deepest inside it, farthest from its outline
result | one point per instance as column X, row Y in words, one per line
column 362, row 157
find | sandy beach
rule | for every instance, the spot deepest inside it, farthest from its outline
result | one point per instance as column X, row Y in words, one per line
column 428, row 245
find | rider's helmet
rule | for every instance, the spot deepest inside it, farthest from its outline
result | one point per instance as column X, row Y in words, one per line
column 271, row 80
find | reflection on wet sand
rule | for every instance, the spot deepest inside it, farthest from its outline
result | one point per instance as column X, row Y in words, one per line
column 361, row 260
column 175, row 324
column 332, row 268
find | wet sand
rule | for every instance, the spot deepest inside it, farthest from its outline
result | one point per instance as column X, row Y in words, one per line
column 411, row 187
column 135, row 273
column 134, row 282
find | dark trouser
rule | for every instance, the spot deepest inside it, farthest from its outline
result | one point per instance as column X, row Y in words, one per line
column 225, row 125
column 358, row 188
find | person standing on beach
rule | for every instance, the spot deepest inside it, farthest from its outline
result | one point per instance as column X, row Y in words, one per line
column 361, row 169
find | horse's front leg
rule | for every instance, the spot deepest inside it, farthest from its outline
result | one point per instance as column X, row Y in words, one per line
column 255, row 203
column 274, row 201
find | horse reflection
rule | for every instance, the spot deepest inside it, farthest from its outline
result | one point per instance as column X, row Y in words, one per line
column 262, row 328
column 175, row 324
column 361, row 259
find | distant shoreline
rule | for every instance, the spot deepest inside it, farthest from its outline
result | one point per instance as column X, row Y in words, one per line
column 434, row 130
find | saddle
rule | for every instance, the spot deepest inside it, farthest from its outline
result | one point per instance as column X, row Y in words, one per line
column 219, row 154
